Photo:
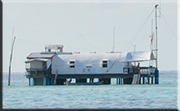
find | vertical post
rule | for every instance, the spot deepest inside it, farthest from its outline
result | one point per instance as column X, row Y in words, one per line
column 143, row 80
column 89, row 80
column 44, row 81
column 134, row 51
column 33, row 81
column 156, row 71
column 29, row 81
column 10, row 62
column 157, row 76
column 148, row 78
column 47, row 81
column 118, row 81
column 9, row 77
column 152, row 80
column 156, row 36
column 113, row 37
column 140, row 80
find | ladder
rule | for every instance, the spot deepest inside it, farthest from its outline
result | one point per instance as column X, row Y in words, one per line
column 136, row 79
column 53, row 79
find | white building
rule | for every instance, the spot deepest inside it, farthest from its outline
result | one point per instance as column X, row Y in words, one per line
column 56, row 62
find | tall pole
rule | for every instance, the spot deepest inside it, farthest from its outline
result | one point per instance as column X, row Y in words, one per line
column 11, row 62
column 156, row 36
column 113, row 37
column 151, row 46
column 134, row 51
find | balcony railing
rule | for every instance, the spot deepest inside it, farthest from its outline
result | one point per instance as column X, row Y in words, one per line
column 143, row 70
column 31, row 71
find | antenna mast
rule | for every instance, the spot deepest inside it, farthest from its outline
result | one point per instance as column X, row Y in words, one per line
column 156, row 36
column 113, row 37
column 152, row 36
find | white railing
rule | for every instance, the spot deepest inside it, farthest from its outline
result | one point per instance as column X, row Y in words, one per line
column 147, row 71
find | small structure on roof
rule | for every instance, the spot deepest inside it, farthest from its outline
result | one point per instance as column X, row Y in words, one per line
column 58, row 48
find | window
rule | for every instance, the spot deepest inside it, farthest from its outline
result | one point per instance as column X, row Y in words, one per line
column 104, row 63
column 88, row 66
column 27, row 65
column 72, row 64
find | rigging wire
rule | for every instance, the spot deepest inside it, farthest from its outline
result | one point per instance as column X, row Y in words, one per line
column 90, row 43
column 133, row 39
column 168, row 25
column 114, row 62
column 138, row 32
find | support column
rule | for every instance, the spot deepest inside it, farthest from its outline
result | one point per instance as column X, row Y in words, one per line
column 33, row 82
column 140, row 80
column 148, row 78
column 116, row 80
column 156, row 76
column 128, row 81
column 44, row 81
column 48, row 81
column 90, row 80
column 152, row 80
column 143, row 80
column 122, row 80
column 29, row 81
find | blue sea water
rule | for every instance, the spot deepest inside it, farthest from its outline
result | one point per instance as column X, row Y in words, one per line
column 21, row 96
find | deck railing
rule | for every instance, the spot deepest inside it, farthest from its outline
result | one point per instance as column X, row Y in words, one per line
column 147, row 70
column 30, row 71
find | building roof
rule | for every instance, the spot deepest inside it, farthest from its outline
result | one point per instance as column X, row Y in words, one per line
column 38, row 59
column 41, row 55
column 85, row 57
column 137, row 56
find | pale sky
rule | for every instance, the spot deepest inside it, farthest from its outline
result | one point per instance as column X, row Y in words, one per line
column 88, row 27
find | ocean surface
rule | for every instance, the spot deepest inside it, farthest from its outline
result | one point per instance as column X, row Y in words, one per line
column 21, row 96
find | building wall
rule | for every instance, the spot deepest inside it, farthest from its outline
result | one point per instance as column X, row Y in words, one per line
column 36, row 64
column 48, row 63
column 87, row 63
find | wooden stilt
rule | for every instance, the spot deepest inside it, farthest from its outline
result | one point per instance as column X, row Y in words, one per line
column 152, row 80
column 143, row 80
column 148, row 78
